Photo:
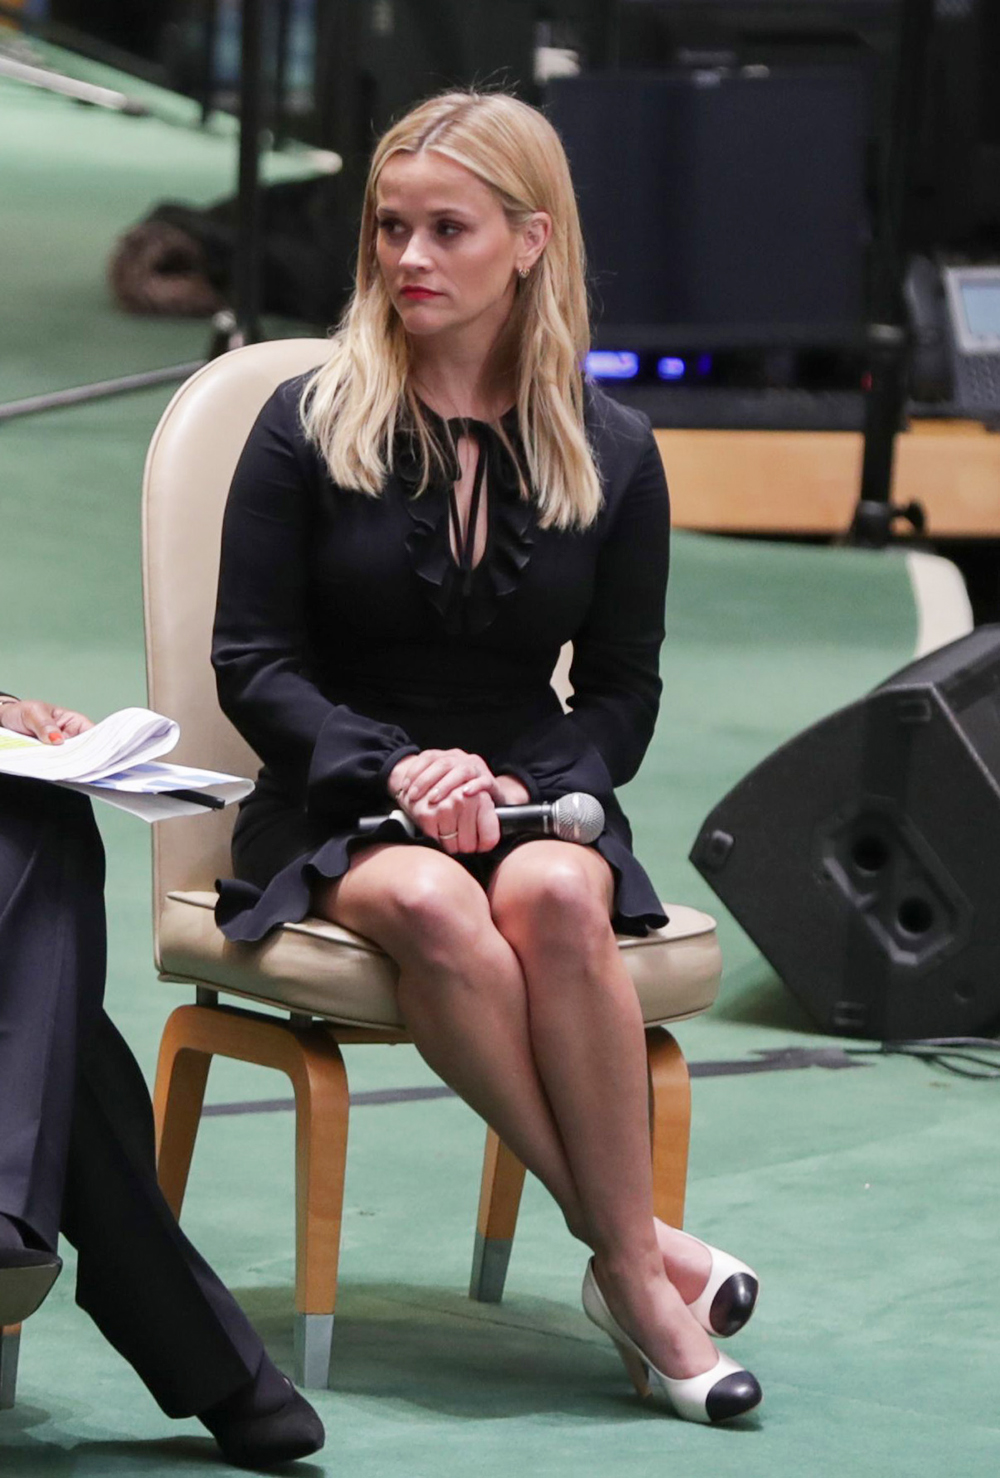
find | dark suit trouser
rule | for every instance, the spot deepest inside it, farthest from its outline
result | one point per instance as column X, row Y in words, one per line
column 76, row 1125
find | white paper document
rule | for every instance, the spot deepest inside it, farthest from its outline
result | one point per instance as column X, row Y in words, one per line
column 118, row 761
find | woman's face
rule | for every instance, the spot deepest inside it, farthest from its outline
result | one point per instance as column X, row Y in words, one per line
column 448, row 255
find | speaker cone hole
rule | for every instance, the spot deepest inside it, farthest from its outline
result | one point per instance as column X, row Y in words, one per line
column 869, row 853
column 915, row 916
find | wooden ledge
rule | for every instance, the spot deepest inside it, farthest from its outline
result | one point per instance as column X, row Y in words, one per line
column 807, row 482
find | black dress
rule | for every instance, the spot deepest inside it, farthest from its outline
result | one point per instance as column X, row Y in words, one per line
column 348, row 636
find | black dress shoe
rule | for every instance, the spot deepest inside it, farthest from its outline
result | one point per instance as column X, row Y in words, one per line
column 26, row 1277
column 265, row 1423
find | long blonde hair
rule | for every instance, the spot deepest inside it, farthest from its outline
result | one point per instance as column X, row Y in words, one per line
column 354, row 404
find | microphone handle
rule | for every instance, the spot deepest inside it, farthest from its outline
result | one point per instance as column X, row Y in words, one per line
column 531, row 820
column 367, row 824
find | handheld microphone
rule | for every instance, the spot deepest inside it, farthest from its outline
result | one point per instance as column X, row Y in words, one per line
column 572, row 818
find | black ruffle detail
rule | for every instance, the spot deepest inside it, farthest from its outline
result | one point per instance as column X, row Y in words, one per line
column 246, row 913
column 467, row 607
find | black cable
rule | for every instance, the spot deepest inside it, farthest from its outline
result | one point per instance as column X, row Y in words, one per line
column 953, row 1054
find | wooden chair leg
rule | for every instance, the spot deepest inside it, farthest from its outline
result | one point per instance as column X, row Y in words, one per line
column 669, row 1122
column 503, row 1173
column 499, row 1199
column 311, row 1059
column 178, row 1096
column 321, row 1116
column 10, row 1344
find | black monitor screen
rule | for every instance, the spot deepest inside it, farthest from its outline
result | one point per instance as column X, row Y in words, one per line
column 730, row 204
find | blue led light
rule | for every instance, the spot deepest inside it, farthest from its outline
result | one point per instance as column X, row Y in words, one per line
column 704, row 365
column 670, row 367
column 612, row 364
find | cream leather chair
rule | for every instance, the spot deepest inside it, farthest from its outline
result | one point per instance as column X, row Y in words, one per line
column 334, row 986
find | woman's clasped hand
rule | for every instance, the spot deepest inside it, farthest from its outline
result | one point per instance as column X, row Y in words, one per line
column 452, row 797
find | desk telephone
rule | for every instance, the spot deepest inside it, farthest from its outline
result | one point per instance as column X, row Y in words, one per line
column 955, row 325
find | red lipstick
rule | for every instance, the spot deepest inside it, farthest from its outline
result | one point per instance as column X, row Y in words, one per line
column 420, row 294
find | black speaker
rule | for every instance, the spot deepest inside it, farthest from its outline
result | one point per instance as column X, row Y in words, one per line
column 863, row 857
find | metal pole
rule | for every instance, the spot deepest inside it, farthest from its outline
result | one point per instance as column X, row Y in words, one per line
column 82, row 394
column 72, row 39
column 887, row 336
column 247, row 268
column 282, row 52
column 209, row 42
column 80, row 92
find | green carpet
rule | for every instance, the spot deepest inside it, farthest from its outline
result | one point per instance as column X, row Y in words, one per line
column 868, row 1199
column 74, row 177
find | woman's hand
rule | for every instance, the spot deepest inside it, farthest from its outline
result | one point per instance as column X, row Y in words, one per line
column 42, row 721
column 451, row 796
column 504, row 790
column 435, row 773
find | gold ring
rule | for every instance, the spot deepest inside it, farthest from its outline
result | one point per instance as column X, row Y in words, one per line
column 446, row 836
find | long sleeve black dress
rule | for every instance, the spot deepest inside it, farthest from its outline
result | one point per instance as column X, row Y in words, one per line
column 347, row 636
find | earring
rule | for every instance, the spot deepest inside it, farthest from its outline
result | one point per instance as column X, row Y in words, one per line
column 522, row 272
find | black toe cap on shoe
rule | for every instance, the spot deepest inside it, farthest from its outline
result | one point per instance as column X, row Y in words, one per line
column 734, row 1303
column 732, row 1396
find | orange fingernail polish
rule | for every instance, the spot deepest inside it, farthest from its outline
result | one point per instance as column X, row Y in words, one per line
column 55, row 736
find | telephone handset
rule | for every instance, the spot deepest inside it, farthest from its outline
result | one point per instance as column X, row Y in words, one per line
column 931, row 378
column 955, row 328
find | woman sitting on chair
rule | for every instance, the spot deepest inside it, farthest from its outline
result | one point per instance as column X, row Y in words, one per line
column 412, row 534
column 76, row 1138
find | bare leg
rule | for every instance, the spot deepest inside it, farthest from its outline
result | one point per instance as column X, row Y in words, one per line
column 551, row 901
column 461, row 994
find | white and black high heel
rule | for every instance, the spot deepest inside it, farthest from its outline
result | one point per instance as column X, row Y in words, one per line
column 717, row 1395
column 729, row 1297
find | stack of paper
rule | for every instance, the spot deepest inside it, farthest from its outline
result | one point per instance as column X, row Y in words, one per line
column 117, row 761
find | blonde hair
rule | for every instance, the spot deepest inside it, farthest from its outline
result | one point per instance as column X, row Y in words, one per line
column 354, row 404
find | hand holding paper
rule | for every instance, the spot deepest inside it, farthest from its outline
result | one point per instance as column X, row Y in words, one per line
column 116, row 761
column 41, row 720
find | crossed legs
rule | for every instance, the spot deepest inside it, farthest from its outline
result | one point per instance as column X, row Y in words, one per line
column 519, row 1000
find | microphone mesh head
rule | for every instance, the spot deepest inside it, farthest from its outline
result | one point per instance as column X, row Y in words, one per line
column 577, row 818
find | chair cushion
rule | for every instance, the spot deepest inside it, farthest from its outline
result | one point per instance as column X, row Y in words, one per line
column 320, row 969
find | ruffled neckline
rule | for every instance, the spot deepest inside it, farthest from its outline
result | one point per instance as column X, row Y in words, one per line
column 467, row 607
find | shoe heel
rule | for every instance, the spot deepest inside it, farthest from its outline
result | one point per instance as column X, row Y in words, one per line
column 638, row 1371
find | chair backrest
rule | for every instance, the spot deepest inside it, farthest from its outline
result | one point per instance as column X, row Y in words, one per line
column 189, row 467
